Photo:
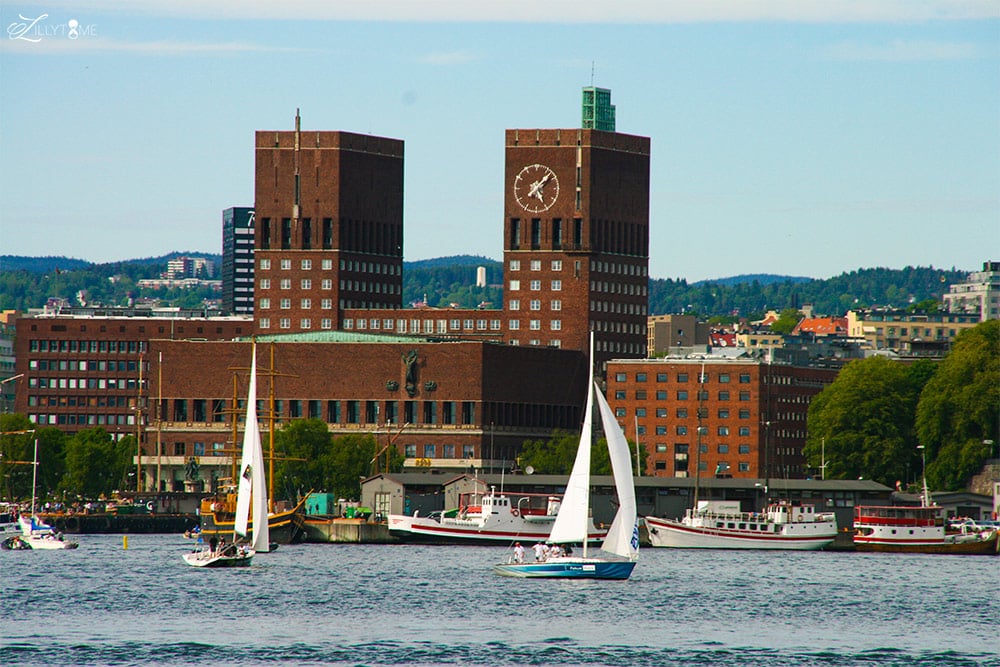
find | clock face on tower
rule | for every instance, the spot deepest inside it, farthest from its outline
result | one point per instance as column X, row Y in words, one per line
column 536, row 188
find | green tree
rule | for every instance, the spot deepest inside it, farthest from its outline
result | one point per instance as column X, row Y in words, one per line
column 95, row 464
column 864, row 420
column 313, row 460
column 786, row 321
column 959, row 408
column 17, row 451
column 352, row 458
column 556, row 455
column 306, row 461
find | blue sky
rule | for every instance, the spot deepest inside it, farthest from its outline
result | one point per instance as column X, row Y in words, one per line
column 794, row 137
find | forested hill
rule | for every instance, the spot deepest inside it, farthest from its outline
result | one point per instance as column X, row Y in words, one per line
column 27, row 282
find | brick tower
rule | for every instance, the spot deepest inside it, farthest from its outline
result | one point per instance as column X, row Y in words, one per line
column 576, row 240
column 329, row 227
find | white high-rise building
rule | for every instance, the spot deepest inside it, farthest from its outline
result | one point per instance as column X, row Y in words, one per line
column 980, row 292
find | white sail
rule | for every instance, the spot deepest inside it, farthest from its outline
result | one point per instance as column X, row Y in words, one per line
column 252, row 484
column 623, row 536
column 571, row 521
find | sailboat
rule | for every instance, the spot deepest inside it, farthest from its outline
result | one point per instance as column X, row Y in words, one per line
column 620, row 549
column 251, row 498
column 34, row 533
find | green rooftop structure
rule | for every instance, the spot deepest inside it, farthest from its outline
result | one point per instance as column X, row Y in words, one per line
column 598, row 111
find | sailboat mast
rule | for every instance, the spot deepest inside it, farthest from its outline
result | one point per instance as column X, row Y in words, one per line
column 236, row 428
column 270, row 430
column 588, row 424
column 34, row 476
column 697, row 458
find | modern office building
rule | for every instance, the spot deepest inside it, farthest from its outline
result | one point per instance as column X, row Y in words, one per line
column 237, row 260
column 329, row 227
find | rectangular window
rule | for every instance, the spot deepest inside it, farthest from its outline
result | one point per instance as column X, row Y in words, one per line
column 556, row 285
column 682, row 430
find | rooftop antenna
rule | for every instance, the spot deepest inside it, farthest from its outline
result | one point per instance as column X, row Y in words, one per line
column 591, row 72
column 298, row 133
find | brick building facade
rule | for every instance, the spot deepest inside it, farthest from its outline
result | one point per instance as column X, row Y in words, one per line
column 464, row 404
column 752, row 414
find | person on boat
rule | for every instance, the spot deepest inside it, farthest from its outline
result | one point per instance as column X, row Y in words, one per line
column 213, row 543
column 518, row 553
column 539, row 550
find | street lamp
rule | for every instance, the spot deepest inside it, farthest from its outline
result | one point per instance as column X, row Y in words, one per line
column 923, row 472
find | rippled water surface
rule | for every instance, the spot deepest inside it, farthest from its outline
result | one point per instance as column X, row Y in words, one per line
column 426, row 605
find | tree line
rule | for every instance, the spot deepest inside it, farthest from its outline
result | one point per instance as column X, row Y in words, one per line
column 443, row 282
column 91, row 465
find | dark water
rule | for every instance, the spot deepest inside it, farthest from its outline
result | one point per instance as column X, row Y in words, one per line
column 424, row 605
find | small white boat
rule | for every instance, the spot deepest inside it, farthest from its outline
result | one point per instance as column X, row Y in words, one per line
column 231, row 555
column 721, row 525
column 251, row 496
column 35, row 534
column 620, row 550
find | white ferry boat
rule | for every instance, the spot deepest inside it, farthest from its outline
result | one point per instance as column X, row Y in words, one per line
column 486, row 518
column 721, row 525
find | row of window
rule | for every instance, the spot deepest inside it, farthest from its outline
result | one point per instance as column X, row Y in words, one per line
column 83, row 365
column 535, row 285
column 304, row 304
column 422, row 326
column 81, row 420
column 534, row 304
column 101, row 401
column 723, row 378
column 333, row 411
column 682, row 395
column 682, row 413
column 682, row 466
column 88, row 346
column 327, row 284
column 83, row 383
column 286, row 323
column 535, row 325
column 621, row 308
column 430, row 450
column 345, row 265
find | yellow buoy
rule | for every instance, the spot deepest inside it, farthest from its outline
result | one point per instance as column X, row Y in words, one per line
column 125, row 541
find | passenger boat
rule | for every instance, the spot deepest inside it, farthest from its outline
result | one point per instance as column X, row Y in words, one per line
column 900, row 529
column 490, row 518
column 721, row 525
